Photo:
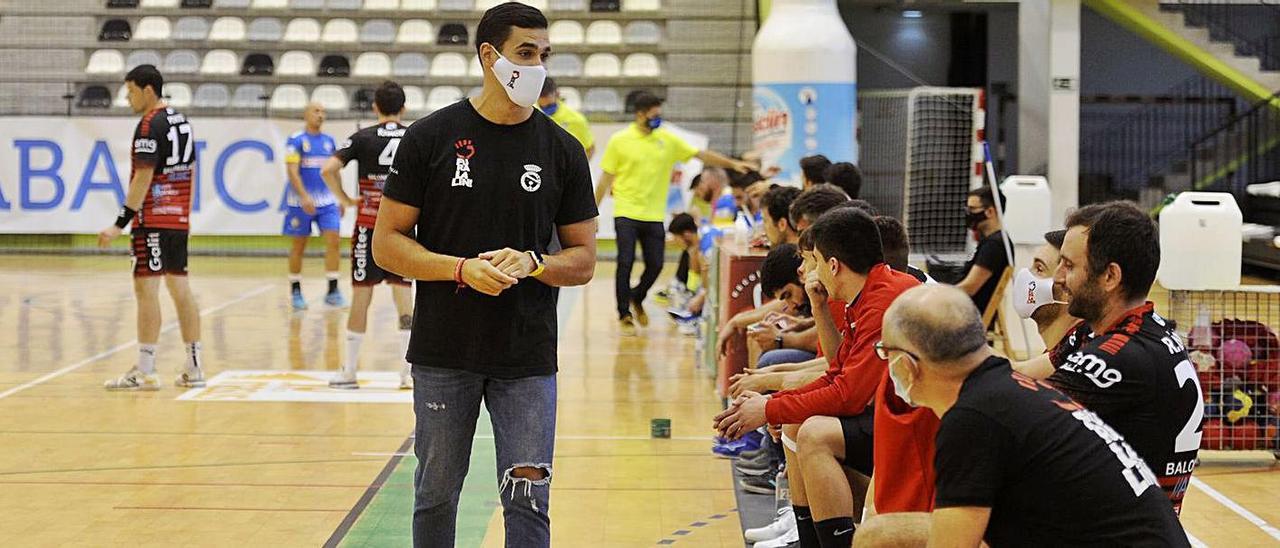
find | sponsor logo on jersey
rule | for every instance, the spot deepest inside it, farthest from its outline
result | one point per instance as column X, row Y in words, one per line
column 531, row 181
column 361, row 255
column 1093, row 368
column 144, row 146
column 464, row 149
column 153, row 252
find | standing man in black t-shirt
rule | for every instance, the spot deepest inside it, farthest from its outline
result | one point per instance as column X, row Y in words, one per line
column 488, row 183
column 373, row 148
column 982, row 272
column 1017, row 462
column 1124, row 361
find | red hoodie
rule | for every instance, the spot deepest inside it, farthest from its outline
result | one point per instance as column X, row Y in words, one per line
column 849, row 385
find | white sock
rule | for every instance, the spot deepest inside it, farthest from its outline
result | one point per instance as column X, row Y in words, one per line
column 353, row 352
column 193, row 356
column 295, row 278
column 147, row 358
column 332, row 275
column 404, row 344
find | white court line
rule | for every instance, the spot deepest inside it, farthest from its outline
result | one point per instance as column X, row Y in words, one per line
column 1242, row 511
column 1195, row 542
column 168, row 327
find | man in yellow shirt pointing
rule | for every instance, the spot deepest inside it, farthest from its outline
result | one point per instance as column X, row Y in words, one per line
column 571, row 120
column 637, row 166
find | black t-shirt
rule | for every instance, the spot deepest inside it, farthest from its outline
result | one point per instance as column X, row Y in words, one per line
column 1052, row 472
column 374, row 148
column 1137, row 377
column 481, row 187
column 990, row 255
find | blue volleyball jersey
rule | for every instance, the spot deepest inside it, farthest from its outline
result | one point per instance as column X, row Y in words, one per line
column 310, row 152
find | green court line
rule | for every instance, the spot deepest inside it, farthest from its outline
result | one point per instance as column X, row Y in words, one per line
column 387, row 521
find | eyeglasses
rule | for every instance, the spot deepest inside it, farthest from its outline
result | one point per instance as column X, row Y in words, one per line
column 883, row 351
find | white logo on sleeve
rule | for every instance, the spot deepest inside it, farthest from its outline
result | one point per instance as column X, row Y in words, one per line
column 531, row 181
column 144, row 146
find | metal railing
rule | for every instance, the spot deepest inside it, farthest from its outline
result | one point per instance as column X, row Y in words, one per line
column 1253, row 28
column 1243, row 151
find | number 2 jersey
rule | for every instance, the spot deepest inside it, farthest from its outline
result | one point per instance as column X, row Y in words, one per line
column 374, row 148
column 163, row 140
column 1137, row 377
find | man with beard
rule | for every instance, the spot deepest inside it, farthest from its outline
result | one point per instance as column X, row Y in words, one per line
column 1124, row 361
column 983, row 271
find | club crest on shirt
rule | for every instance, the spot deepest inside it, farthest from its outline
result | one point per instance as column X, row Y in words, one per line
column 531, row 181
column 464, row 150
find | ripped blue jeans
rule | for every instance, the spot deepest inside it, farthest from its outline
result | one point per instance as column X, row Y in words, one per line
column 523, row 413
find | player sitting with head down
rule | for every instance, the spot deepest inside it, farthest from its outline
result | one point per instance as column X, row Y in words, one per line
column 374, row 148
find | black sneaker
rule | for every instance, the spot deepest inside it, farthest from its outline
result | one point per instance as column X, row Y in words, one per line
column 764, row 484
column 757, row 466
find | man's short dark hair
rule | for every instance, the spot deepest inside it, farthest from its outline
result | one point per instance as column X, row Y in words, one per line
column 778, row 201
column 846, row 176
column 696, row 179
column 893, row 240
column 496, row 24
column 984, row 197
column 1055, row 238
column 812, row 203
column 682, row 223
column 805, row 242
column 744, row 180
column 1121, row 233
column 145, row 76
column 865, row 206
column 645, row 101
column 548, row 87
column 389, row 97
column 851, row 236
column 815, row 168
column 781, row 267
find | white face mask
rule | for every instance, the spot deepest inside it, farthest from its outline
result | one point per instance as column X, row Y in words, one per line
column 900, row 387
column 523, row 84
column 1030, row 293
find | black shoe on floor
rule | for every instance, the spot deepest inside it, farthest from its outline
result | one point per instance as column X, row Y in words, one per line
column 757, row 466
column 764, row 484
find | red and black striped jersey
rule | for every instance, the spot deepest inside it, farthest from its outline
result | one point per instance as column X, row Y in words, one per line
column 163, row 141
column 1137, row 377
column 374, row 148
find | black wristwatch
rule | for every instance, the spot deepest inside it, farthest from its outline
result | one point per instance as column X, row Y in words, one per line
column 778, row 340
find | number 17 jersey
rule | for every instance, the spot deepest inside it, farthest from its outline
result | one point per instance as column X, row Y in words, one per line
column 163, row 141
column 374, row 148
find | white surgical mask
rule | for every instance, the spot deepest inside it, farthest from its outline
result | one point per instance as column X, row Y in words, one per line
column 1030, row 293
column 523, row 84
column 900, row 387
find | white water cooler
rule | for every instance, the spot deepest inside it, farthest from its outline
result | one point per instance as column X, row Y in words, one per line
column 1200, row 242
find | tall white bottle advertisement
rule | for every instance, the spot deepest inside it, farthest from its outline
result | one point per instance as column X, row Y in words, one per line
column 805, row 86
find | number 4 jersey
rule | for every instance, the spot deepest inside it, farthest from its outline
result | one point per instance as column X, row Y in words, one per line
column 163, row 140
column 1137, row 377
column 374, row 148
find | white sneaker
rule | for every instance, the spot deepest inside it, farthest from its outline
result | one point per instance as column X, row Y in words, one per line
column 134, row 380
column 344, row 380
column 791, row 536
column 191, row 378
column 406, row 378
column 786, row 522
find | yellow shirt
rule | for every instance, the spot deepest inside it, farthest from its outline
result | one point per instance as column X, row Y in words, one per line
column 641, row 165
column 575, row 123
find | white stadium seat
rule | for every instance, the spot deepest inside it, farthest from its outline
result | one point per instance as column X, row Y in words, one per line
column 289, row 97
column 602, row 65
column 177, row 95
column 211, row 96
column 416, row 31
column 417, row 5
column 162, row 4
column 377, row 31
column 372, row 65
column 641, row 5
column 220, row 61
column 152, row 28
column 248, row 96
column 343, row 4
column 191, row 28
column 142, row 57
column 265, row 29
column 570, row 97
column 340, row 31
column 642, row 32
column 568, row 5
column 296, row 63
column 236, row 4
column 414, row 99
column 227, row 29
column 442, row 96
column 306, row 4
column 564, row 65
column 602, row 100
column 566, row 32
column 302, row 30
column 475, row 69
column 105, row 61
column 332, row 97
column 448, row 65
column 456, row 5
column 410, row 64
column 641, row 65
column 381, row 5
column 604, row 33
column 183, row 61
column 122, row 97
column 270, row 4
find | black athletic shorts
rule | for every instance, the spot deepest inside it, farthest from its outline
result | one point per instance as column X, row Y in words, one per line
column 364, row 271
column 158, row 251
column 859, row 451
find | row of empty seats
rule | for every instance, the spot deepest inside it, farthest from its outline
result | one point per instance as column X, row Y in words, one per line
column 295, row 97
column 389, row 5
column 367, row 65
column 346, row 31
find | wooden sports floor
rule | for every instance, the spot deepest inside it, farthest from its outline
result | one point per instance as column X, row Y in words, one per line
column 236, row 466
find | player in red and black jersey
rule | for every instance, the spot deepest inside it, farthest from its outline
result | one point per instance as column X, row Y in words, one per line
column 159, row 206
column 1124, row 361
column 373, row 148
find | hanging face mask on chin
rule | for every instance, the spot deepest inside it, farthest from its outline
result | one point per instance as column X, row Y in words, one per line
column 900, row 386
column 1031, row 293
column 523, row 84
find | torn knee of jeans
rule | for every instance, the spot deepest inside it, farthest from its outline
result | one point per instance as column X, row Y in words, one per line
column 522, row 478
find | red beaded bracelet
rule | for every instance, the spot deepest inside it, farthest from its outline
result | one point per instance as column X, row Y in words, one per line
column 457, row 272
